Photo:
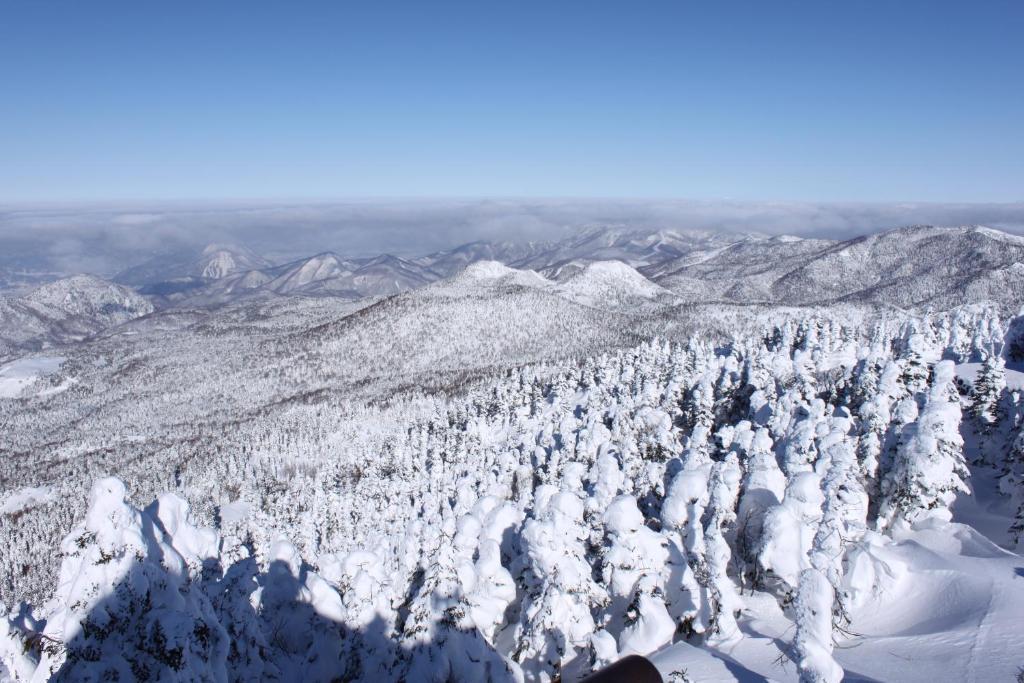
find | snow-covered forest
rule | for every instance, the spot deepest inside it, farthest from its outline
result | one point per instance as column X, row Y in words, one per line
column 501, row 477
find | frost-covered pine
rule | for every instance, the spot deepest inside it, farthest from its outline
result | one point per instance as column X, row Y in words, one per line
column 441, row 633
column 125, row 607
column 439, row 591
column 812, row 644
column 605, row 482
column 725, row 601
column 359, row 577
column 633, row 567
column 763, row 488
column 491, row 590
column 799, row 448
column 699, row 408
column 303, row 619
column 235, row 601
column 557, row 606
column 681, row 516
column 875, row 425
column 789, row 529
column 987, row 393
column 914, row 366
column 820, row 602
column 929, row 467
column 1011, row 482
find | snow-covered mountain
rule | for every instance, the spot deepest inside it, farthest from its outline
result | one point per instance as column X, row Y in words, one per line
column 909, row 267
column 612, row 284
column 386, row 275
column 746, row 457
column 213, row 262
column 66, row 310
column 325, row 274
column 635, row 247
column 329, row 274
column 450, row 262
column 309, row 273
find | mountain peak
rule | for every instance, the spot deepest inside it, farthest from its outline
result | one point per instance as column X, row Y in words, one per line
column 611, row 281
column 487, row 270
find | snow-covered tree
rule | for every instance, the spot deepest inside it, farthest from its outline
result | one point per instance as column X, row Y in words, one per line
column 763, row 488
column 929, row 467
column 724, row 599
column 125, row 607
column 681, row 516
column 987, row 410
column 789, row 529
column 812, row 643
column 558, row 622
column 633, row 567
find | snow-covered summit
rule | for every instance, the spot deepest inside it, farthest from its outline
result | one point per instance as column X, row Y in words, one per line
column 212, row 262
column 68, row 309
column 88, row 296
column 487, row 270
column 298, row 274
column 481, row 276
column 611, row 283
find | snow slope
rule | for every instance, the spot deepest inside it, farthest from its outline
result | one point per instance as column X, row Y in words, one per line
column 17, row 375
column 613, row 284
column 950, row 610
column 67, row 310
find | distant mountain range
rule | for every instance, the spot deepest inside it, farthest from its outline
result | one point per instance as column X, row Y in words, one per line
column 913, row 267
column 67, row 310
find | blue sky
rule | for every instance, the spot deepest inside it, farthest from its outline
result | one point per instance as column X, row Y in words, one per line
column 814, row 101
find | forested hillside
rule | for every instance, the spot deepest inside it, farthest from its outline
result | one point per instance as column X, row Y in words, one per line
column 776, row 478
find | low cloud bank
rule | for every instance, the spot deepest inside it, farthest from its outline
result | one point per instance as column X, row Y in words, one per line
column 104, row 239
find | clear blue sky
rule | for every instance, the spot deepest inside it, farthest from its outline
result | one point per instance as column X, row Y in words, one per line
column 817, row 101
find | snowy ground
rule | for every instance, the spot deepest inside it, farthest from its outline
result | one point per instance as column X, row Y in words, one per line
column 27, row 497
column 952, row 608
column 953, row 611
column 19, row 374
column 966, row 372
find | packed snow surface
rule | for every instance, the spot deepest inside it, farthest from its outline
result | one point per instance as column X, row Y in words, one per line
column 968, row 372
column 950, row 610
column 25, row 498
column 17, row 375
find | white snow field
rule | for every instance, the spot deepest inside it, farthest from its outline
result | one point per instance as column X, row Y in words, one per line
column 951, row 610
column 19, row 374
column 527, row 474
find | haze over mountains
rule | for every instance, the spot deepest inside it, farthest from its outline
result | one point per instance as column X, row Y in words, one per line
column 911, row 267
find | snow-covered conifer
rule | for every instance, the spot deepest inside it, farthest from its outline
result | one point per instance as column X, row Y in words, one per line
column 763, row 488
column 929, row 467
column 987, row 393
column 125, row 607
column 681, row 518
column 724, row 599
column 812, row 643
column 557, row 614
column 789, row 529
column 633, row 568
